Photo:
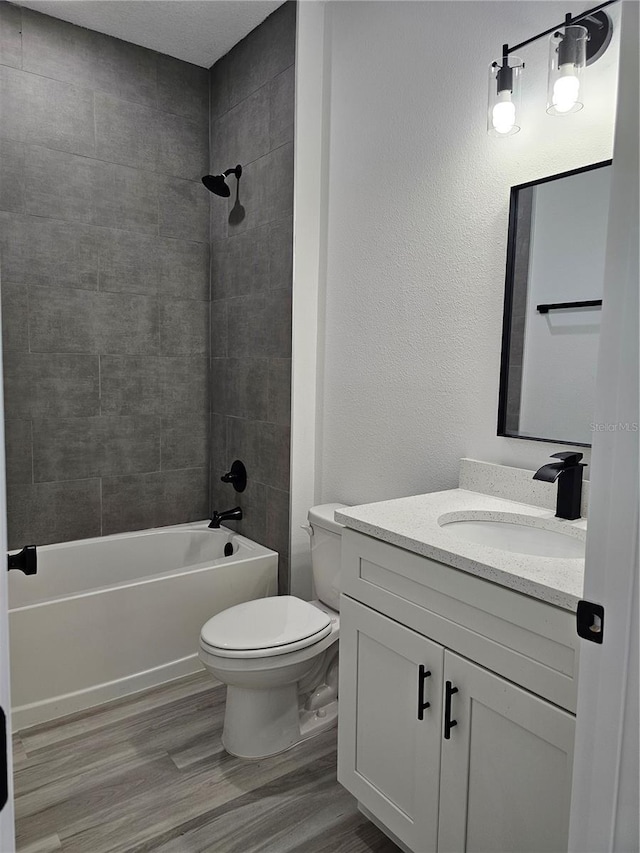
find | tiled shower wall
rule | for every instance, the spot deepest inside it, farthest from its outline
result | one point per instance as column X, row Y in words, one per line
column 104, row 226
column 252, row 111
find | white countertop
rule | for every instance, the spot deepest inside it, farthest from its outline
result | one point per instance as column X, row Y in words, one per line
column 412, row 523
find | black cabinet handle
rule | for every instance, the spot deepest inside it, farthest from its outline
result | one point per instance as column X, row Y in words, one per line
column 25, row 561
column 449, row 690
column 423, row 674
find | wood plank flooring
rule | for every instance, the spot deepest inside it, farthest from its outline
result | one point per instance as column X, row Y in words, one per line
column 148, row 773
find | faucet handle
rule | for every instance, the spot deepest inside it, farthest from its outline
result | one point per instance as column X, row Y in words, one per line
column 570, row 458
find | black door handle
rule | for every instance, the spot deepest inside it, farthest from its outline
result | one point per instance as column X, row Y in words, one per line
column 449, row 690
column 423, row 674
column 25, row 561
column 4, row 762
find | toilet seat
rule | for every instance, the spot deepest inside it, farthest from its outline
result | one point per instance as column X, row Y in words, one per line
column 265, row 627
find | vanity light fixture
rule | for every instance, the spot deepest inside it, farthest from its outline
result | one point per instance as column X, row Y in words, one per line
column 567, row 60
column 504, row 95
column 575, row 43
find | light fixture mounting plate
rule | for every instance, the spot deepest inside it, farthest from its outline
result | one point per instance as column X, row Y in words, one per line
column 600, row 28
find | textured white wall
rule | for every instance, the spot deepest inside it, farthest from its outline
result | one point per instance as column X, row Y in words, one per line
column 417, row 229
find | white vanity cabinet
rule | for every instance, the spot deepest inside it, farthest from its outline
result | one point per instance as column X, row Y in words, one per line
column 450, row 739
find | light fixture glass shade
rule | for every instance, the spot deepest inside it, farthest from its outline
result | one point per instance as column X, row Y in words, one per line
column 567, row 60
column 503, row 110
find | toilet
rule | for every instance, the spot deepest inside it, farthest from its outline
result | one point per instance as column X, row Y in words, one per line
column 278, row 656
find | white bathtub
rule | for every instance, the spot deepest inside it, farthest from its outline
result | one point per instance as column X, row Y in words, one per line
column 113, row 615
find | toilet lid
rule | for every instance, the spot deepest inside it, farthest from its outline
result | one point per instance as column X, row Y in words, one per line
column 266, row 623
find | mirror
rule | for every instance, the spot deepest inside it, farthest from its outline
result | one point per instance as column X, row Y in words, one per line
column 552, row 308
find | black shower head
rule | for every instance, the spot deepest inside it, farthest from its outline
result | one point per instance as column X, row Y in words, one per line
column 218, row 185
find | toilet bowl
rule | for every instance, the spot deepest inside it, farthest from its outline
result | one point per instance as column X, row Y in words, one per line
column 278, row 656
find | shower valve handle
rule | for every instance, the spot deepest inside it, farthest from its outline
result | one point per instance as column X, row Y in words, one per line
column 237, row 476
column 25, row 561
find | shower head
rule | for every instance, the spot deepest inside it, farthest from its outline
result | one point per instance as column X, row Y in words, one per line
column 218, row 185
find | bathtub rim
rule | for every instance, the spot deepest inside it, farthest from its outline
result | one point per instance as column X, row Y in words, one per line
column 255, row 549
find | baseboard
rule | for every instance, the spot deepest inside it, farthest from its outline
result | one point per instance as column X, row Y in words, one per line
column 25, row 716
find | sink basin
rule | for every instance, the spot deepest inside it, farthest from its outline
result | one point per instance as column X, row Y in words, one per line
column 520, row 534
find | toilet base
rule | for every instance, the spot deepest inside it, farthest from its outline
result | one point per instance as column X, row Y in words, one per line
column 262, row 723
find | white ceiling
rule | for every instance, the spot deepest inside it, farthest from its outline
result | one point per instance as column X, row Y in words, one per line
column 197, row 31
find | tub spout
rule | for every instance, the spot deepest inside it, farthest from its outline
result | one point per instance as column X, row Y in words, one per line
column 234, row 514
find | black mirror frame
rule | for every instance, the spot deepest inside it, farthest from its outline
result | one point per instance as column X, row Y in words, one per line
column 508, row 304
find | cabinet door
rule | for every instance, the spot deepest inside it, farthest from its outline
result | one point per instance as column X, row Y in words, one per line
column 389, row 751
column 506, row 767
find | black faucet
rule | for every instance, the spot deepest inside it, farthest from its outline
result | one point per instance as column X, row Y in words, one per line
column 568, row 473
column 234, row 514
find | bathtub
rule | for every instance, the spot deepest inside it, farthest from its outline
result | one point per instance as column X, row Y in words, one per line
column 109, row 616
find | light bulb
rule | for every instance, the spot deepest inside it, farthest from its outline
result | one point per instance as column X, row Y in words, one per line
column 566, row 89
column 503, row 115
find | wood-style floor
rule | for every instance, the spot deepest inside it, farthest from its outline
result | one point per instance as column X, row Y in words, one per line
column 149, row 773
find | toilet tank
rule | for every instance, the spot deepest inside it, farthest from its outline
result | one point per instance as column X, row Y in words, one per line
column 326, row 539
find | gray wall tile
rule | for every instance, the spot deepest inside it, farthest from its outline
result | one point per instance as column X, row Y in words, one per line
column 87, row 268
column 133, row 236
column 125, row 198
column 140, row 501
column 266, row 190
column 11, row 176
column 59, row 185
column 46, row 112
column 51, row 385
column 218, row 457
column 277, row 533
column 126, row 132
column 18, row 445
column 185, row 441
column 15, row 318
column 246, row 388
column 260, row 325
column 49, row 253
column 53, row 512
column 185, row 384
column 183, row 209
column 279, row 402
column 244, row 441
column 218, row 320
column 184, row 269
column 10, row 35
column 263, row 54
column 241, row 264
column 252, row 110
column 128, row 262
column 131, row 385
column 219, row 386
column 247, row 329
column 184, row 327
column 183, row 88
column 78, row 448
column 218, row 88
column 282, row 111
column 183, row 147
column 148, row 385
column 274, row 448
column 92, row 322
column 139, row 263
column 281, row 254
column 218, row 216
column 56, row 49
column 242, row 134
